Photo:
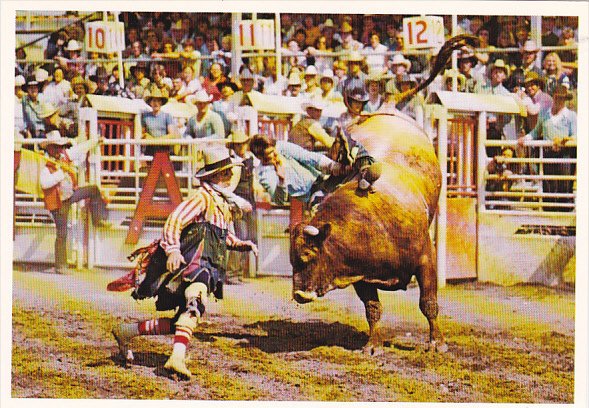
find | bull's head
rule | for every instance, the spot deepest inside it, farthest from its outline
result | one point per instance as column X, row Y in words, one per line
column 309, row 261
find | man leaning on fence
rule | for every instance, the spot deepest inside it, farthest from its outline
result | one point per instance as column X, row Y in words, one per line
column 60, row 187
column 558, row 125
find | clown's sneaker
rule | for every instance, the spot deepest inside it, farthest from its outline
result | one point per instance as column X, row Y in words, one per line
column 178, row 365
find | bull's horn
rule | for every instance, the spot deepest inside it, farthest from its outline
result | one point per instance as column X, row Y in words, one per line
column 311, row 230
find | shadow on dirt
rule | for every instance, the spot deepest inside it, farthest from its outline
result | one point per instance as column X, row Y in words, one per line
column 287, row 336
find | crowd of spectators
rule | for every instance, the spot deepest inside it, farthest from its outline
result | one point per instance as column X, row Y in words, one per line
column 186, row 57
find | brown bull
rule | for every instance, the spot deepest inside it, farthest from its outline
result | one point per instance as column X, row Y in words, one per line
column 378, row 241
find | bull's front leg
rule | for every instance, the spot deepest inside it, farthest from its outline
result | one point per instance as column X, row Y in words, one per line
column 369, row 296
column 428, row 298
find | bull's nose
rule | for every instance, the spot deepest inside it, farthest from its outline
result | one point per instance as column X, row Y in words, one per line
column 304, row 297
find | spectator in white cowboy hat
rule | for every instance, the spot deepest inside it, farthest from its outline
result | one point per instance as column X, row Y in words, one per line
column 529, row 54
column 308, row 132
column 31, row 102
column 59, row 183
column 294, row 85
column 157, row 124
column 327, row 84
column 248, row 82
column 375, row 94
column 53, row 121
column 245, row 226
column 348, row 41
column 73, row 64
column 328, row 30
column 42, row 77
column 19, row 122
column 398, row 66
column 355, row 62
column 207, row 122
column 187, row 264
column 411, row 107
column 311, row 87
column 498, row 73
column 498, row 126
column 376, row 56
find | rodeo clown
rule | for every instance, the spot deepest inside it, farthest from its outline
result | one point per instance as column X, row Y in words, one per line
column 188, row 262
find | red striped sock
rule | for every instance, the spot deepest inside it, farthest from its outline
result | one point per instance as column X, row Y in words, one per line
column 155, row 326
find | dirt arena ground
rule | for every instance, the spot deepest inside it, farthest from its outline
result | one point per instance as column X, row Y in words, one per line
column 513, row 344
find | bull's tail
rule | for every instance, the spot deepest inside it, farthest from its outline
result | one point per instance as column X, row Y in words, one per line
column 442, row 58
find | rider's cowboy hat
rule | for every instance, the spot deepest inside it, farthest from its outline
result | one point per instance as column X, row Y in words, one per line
column 55, row 138
column 216, row 160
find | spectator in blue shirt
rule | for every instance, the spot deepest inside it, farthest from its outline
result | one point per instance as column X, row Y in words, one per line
column 157, row 124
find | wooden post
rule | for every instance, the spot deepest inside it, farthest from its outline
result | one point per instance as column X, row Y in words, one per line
column 147, row 207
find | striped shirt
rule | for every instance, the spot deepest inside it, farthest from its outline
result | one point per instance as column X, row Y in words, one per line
column 206, row 205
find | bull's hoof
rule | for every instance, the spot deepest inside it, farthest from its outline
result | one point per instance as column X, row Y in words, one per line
column 373, row 349
column 434, row 346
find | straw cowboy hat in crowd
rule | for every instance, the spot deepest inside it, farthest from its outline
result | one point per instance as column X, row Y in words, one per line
column 399, row 59
column 530, row 46
column 155, row 94
column 46, row 110
column 216, row 160
column 311, row 70
column 533, row 78
column 374, row 77
column 346, row 27
column 499, row 64
column 55, row 138
column 460, row 78
column 73, row 45
column 237, row 137
column 201, row 96
column 328, row 24
column 314, row 103
column 327, row 74
column 41, row 75
column 294, row 79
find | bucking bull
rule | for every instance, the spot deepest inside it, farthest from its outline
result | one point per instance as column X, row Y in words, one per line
column 381, row 240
